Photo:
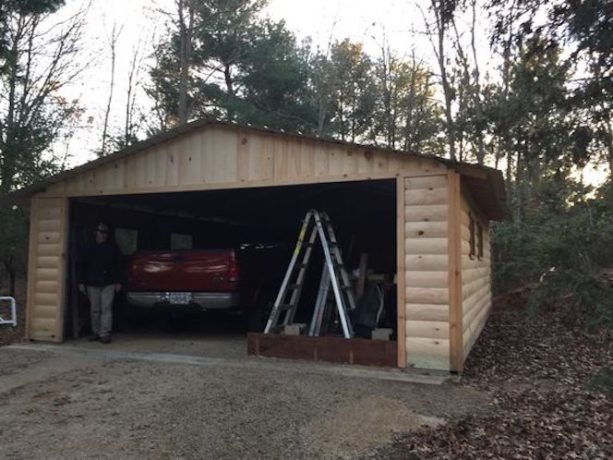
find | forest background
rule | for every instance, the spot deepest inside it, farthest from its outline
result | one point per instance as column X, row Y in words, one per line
column 525, row 86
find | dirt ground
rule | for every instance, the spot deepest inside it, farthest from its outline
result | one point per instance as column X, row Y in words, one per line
column 530, row 390
column 551, row 383
column 83, row 400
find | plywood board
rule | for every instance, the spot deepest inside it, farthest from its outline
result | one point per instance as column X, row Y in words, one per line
column 221, row 157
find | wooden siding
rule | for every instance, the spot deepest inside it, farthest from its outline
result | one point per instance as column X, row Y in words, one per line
column 476, row 276
column 445, row 294
column 401, row 354
column 456, row 351
column 217, row 157
column 48, row 221
column 426, row 271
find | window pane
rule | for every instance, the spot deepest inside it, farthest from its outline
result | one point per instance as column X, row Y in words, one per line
column 127, row 240
column 472, row 235
column 480, row 240
column 181, row 241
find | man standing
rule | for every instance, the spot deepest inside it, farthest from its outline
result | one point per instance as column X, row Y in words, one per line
column 100, row 275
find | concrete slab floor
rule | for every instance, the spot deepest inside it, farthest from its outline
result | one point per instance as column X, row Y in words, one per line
column 135, row 351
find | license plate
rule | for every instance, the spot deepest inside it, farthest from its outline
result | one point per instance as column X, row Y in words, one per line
column 179, row 298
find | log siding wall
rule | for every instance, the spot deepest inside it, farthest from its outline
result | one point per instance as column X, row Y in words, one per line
column 426, row 272
column 429, row 225
column 45, row 312
column 476, row 276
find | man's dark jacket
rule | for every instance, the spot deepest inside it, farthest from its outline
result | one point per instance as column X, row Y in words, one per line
column 100, row 265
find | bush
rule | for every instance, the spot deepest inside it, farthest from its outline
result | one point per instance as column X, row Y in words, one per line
column 602, row 381
column 562, row 246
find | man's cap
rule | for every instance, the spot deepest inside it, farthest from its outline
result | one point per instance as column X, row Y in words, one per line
column 102, row 228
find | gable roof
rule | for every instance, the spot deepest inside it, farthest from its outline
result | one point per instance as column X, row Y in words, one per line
column 484, row 183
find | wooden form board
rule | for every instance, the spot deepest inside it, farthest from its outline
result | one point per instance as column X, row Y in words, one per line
column 331, row 349
column 46, row 268
column 476, row 275
column 426, row 271
column 218, row 157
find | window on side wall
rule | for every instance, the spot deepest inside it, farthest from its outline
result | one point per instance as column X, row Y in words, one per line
column 479, row 241
column 127, row 240
column 471, row 227
column 181, row 241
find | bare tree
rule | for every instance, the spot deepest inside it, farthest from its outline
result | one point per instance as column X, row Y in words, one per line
column 470, row 80
column 186, row 13
column 443, row 11
column 129, row 125
column 115, row 34
column 40, row 58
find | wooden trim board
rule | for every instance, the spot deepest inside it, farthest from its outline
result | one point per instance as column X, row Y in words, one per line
column 456, row 345
column 400, row 274
column 330, row 349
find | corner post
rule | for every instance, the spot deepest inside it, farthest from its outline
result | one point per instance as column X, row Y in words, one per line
column 400, row 274
column 456, row 348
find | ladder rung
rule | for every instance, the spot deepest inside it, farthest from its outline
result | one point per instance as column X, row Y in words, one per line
column 346, row 288
column 285, row 307
column 294, row 285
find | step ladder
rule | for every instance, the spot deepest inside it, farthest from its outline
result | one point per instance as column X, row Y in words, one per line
column 316, row 224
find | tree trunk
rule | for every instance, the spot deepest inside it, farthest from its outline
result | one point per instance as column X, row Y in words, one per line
column 131, row 98
column 185, row 51
column 12, row 282
column 113, row 46
column 8, row 147
column 227, row 73
column 437, row 7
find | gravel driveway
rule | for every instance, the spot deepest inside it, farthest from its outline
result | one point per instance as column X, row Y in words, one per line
column 69, row 403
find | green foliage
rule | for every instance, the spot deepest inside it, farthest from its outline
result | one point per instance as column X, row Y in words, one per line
column 13, row 247
column 562, row 246
column 241, row 68
column 35, row 62
column 251, row 70
column 602, row 381
column 273, row 81
column 343, row 90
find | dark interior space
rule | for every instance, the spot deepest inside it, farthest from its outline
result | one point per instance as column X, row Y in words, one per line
column 363, row 215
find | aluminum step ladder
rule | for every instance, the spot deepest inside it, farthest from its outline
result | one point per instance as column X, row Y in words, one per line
column 316, row 224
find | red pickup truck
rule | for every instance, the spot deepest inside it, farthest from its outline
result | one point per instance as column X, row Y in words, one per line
column 209, row 279
column 204, row 279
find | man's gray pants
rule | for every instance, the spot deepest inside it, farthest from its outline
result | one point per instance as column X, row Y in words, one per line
column 101, row 308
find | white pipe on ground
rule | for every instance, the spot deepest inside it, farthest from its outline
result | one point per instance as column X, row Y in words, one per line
column 13, row 320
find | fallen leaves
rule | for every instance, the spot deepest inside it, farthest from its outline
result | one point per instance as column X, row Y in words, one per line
column 538, row 369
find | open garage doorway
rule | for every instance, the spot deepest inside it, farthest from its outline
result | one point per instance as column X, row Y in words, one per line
column 260, row 226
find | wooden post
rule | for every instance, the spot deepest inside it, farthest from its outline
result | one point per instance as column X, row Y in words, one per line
column 32, row 243
column 400, row 275
column 362, row 274
column 456, row 348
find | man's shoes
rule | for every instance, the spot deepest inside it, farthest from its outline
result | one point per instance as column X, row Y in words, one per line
column 94, row 338
column 105, row 339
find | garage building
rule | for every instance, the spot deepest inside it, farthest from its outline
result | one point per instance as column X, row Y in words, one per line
column 423, row 218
